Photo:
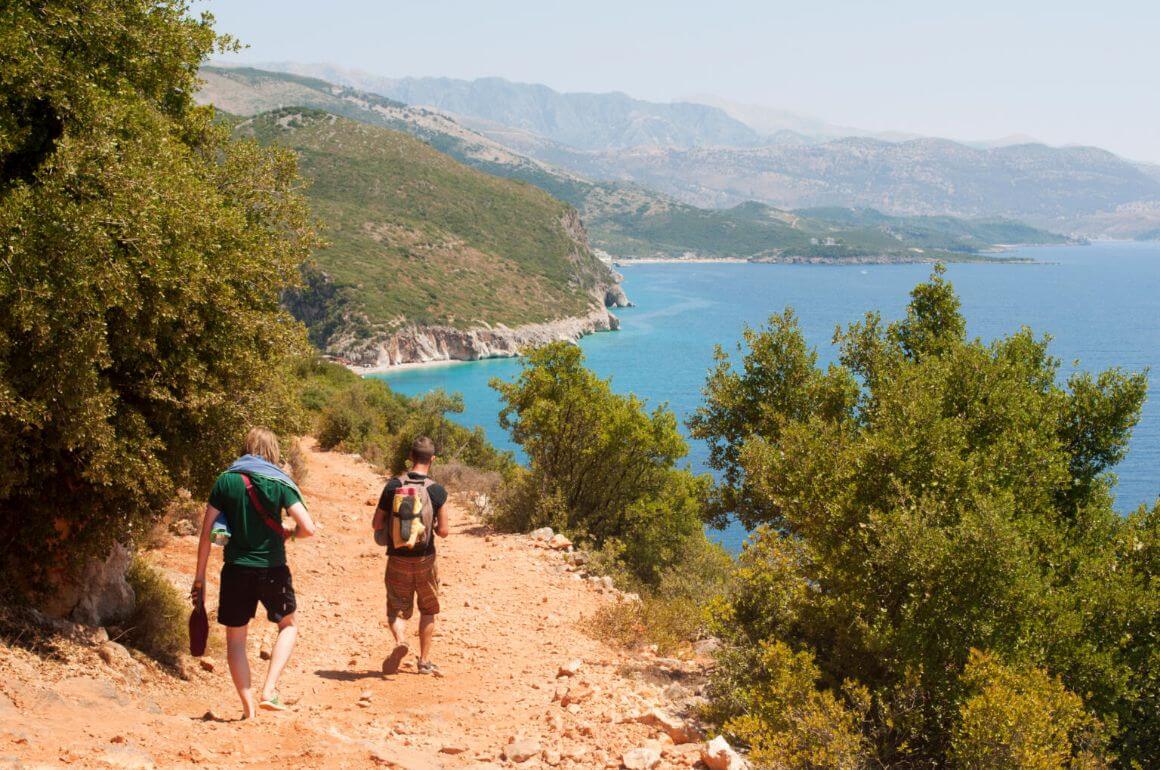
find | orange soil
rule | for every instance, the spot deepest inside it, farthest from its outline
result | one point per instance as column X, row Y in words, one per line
column 511, row 615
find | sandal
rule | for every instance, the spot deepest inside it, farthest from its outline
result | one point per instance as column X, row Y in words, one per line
column 273, row 703
column 427, row 667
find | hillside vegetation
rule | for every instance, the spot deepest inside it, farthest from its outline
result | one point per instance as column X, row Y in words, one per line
column 418, row 238
column 625, row 219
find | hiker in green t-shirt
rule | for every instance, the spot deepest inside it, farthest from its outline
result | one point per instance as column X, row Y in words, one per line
column 251, row 496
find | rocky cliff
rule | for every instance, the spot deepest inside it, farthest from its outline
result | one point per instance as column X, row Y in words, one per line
column 423, row 344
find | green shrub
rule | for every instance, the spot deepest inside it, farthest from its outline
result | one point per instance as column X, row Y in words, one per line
column 925, row 496
column 1021, row 719
column 158, row 623
column 601, row 468
column 788, row 721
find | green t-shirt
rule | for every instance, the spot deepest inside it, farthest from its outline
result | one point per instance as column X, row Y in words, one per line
column 252, row 543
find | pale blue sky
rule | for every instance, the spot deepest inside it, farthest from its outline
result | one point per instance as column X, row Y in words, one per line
column 1063, row 71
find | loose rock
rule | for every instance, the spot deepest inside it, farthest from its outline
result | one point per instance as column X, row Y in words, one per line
column 671, row 726
column 521, row 749
column 641, row 759
column 543, row 534
column 719, row 755
column 571, row 668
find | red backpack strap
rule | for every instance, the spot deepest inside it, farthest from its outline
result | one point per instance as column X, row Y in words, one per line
column 270, row 522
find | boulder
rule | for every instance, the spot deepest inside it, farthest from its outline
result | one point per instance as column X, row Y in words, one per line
column 559, row 542
column 717, row 754
column 641, row 759
column 105, row 594
column 521, row 749
column 543, row 534
column 100, row 596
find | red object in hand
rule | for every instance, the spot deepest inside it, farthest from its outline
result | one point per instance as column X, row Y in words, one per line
column 198, row 630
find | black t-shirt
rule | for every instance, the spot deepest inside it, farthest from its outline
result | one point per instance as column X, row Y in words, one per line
column 438, row 497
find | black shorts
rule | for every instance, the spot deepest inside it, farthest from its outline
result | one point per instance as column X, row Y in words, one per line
column 243, row 587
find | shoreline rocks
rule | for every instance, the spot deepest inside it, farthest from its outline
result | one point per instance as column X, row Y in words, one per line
column 425, row 344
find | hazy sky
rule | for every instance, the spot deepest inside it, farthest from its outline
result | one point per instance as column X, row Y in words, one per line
column 1063, row 71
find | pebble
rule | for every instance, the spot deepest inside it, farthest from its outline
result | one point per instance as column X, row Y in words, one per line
column 571, row 668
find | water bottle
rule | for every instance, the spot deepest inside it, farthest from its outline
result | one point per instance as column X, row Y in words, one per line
column 220, row 532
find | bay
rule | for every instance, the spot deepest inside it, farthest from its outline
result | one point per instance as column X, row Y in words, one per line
column 1100, row 303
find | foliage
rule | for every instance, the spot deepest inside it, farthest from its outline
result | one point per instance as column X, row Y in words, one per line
column 157, row 625
column 418, row 238
column 144, row 255
column 366, row 417
column 600, row 466
column 926, row 496
column 1020, row 719
column 787, row 721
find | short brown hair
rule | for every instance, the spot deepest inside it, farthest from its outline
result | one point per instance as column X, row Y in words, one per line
column 263, row 443
column 422, row 450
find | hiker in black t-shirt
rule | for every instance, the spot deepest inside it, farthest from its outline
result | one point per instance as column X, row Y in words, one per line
column 411, row 511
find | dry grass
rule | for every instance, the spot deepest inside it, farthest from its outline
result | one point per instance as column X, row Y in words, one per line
column 669, row 623
column 457, row 477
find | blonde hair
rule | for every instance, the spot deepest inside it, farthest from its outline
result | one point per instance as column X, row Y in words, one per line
column 263, row 443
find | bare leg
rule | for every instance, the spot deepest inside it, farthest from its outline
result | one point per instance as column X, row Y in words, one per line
column 240, row 667
column 426, row 634
column 283, row 646
column 398, row 628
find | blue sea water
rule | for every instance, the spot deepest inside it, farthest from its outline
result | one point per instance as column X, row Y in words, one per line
column 1100, row 303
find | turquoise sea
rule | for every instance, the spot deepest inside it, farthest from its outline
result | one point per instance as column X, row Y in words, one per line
column 1100, row 303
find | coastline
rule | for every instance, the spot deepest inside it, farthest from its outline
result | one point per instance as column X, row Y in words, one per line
column 426, row 346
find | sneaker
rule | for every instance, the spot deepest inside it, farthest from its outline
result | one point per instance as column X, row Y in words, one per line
column 427, row 667
column 391, row 664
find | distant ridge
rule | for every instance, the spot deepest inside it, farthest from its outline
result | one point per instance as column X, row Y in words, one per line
column 585, row 121
column 627, row 220
column 702, row 156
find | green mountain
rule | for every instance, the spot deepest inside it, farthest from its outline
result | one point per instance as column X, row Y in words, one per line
column 627, row 220
column 417, row 239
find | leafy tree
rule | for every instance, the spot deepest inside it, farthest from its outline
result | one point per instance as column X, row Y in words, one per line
column 925, row 496
column 142, row 258
column 599, row 464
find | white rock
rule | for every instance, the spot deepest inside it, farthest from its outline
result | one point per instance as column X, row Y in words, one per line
column 641, row 759
column 717, row 754
column 670, row 725
column 521, row 749
column 543, row 534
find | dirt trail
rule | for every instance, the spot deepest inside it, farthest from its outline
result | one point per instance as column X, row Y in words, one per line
column 510, row 619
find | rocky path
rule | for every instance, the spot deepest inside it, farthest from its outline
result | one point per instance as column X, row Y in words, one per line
column 512, row 617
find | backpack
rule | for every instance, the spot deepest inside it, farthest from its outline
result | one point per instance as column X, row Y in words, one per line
column 412, row 515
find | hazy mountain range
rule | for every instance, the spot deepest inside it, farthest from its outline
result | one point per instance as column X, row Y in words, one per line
column 721, row 155
column 623, row 218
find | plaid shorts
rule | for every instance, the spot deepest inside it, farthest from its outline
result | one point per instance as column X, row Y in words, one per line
column 407, row 576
